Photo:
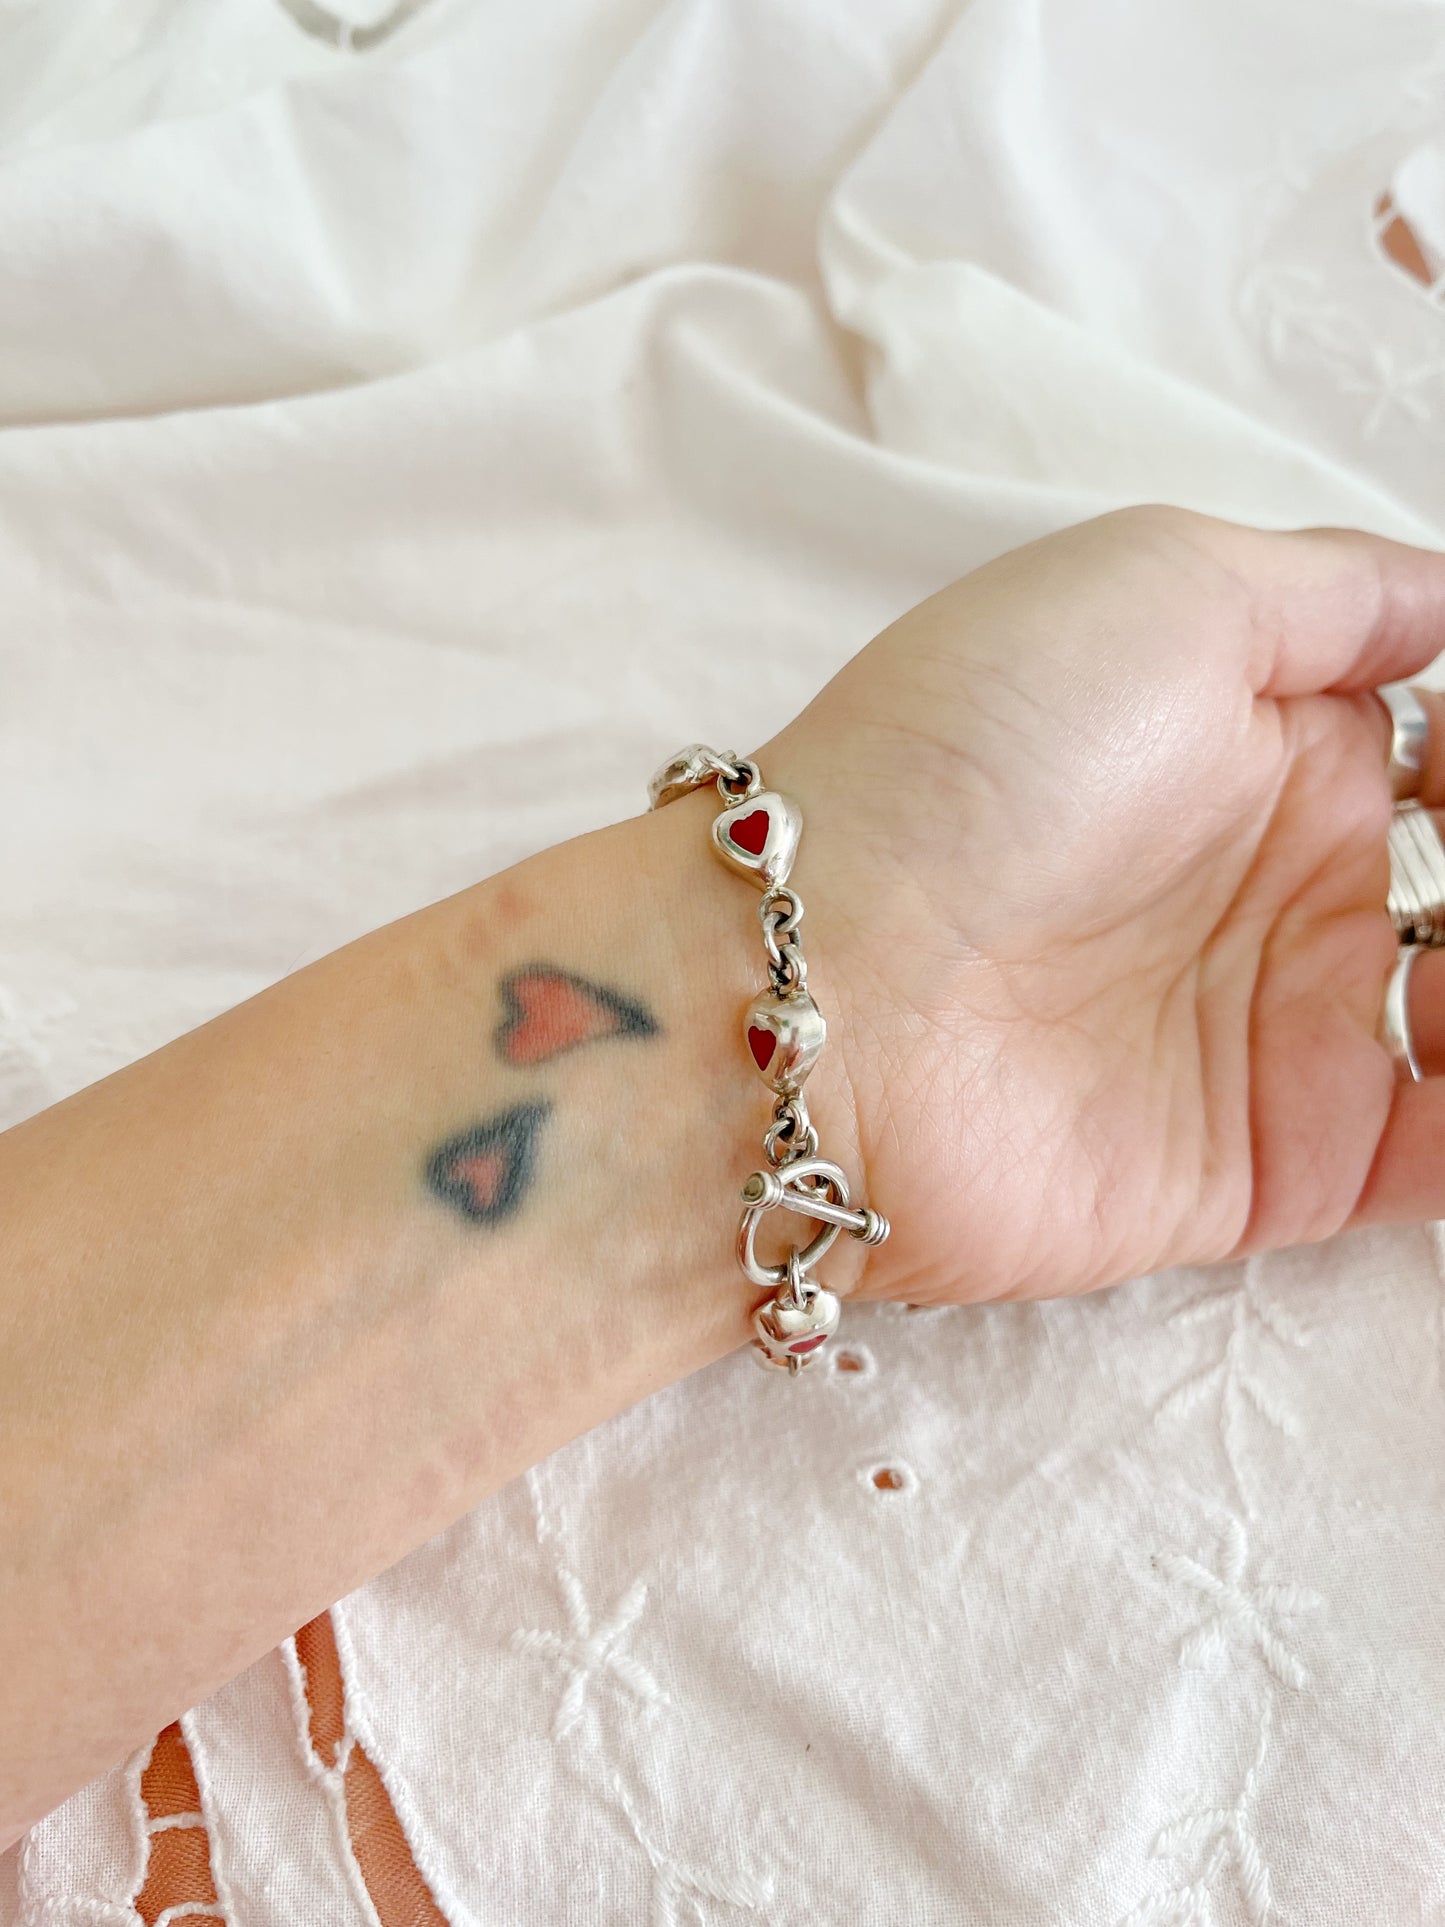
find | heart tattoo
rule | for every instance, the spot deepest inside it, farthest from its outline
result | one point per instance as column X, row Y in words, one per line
column 549, row 1011
column 485, row 1173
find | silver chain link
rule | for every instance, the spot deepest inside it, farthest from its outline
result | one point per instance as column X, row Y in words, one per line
column 787, row 967
column 792, row 1133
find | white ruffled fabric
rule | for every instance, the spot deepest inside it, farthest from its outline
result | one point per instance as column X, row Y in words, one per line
column 409, row 437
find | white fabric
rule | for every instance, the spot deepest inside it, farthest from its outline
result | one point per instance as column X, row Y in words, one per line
column 405, row 446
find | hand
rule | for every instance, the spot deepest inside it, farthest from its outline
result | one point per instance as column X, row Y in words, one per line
column 1095, row 860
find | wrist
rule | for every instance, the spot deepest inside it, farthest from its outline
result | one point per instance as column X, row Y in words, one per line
column 298, row 1290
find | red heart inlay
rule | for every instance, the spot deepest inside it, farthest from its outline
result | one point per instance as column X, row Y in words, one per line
column 750, row 833
column 809, row 1344
column 762, row 1044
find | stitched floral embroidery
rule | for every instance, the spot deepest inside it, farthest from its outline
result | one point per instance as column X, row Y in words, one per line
column 1240, row 1379
column 592, row 1656
column 1220, row 1848
column 1240, row 1617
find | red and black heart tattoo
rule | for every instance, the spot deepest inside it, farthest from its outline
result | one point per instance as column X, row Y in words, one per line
column 550, row 1011
column 486, row 1171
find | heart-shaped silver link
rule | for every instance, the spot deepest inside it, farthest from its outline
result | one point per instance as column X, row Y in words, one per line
column 757, row 835
column 691, row 769
column 791, row 1330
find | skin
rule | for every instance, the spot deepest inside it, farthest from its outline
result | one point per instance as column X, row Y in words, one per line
column 1094, row 867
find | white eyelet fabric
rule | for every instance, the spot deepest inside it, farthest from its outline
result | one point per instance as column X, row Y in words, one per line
column 388, row 397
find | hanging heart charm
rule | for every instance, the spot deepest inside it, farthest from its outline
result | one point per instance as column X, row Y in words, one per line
column 784, row 1036
column 789, row 1335
column 759, row 837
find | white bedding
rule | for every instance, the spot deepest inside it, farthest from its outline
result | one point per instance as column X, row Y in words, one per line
column 405, row 445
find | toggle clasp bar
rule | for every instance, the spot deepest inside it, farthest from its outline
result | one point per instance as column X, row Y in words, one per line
column 767, row 1188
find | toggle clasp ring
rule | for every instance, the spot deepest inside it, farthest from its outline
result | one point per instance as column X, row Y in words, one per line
column 763, row 1190
column 815, row 1188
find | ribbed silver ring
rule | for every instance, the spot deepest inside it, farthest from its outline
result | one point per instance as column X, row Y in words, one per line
column 1409, row 739
column 1417, row 877
column 1395, row 1029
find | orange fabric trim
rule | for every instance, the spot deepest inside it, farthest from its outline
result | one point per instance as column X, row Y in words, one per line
column 397, row 1887
column 178, row 1863
column 168, row 1784
column 1397, row 238
column 325, row 1693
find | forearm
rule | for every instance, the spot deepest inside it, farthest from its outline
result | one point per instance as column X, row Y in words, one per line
column 286, row 1298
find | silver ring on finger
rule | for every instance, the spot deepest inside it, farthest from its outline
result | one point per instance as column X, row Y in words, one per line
column 1395, row 1032
column 1416, row 899
column 1409, row 739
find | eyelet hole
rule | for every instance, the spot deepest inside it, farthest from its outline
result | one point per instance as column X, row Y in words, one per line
column 891, row 1478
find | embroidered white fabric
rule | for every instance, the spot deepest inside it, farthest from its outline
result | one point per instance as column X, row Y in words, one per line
column 412, row 435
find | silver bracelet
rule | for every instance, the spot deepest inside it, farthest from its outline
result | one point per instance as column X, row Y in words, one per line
column 756, row 833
